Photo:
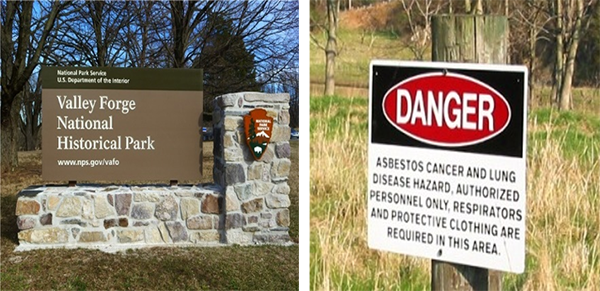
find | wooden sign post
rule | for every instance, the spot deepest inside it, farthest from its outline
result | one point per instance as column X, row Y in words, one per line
column 470, row 39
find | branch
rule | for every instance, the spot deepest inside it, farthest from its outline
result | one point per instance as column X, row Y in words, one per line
column 314, row 40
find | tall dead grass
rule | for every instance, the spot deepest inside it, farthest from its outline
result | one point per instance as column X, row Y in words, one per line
column 563, row 217
column 563, row 214
column 341, row 258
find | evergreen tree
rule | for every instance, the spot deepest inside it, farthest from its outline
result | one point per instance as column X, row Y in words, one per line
column 227, row 64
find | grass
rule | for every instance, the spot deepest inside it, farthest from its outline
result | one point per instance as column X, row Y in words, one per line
column 563, row 182
column 356, row 52
column 338, row 112
column 309, row 245
column 157, row 269
column 576, row 131
column 294, row 183
column 563, row 205
column 223, row 268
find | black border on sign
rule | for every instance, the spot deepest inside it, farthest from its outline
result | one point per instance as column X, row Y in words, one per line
column 511, row 84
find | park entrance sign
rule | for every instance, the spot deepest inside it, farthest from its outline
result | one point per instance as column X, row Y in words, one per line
column 447, row 156
column 121, row 124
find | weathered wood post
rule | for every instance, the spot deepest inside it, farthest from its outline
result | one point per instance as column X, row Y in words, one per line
column 469, row 39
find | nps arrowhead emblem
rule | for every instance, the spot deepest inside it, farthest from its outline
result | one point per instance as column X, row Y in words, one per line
column 258, row 127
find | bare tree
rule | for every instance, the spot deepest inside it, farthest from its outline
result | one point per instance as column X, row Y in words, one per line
column 92, row 34
column 291, row 80
column 418, row 14
column 331, row 51
column 31, row 113
column 184, row 18
column 331, row 47
column 529, row 25
column 571, row 20
column 555, row 26
column 267, row 28
column 142, row 45
column 135, row 34
column 21, row 51
column 559, row 55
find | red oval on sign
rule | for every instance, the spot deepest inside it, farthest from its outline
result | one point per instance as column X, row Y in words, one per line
column 448, row 110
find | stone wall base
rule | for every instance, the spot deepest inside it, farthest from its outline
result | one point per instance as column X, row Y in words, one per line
column 113, row 218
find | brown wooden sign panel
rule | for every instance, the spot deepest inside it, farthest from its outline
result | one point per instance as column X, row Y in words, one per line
column 134, row 126
column 258, row 127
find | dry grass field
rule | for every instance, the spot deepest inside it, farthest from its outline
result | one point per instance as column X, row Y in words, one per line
column 563, row 179
column 222, row 268
column 563, row 205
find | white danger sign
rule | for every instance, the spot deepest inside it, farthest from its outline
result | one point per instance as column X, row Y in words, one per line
column 447, row 162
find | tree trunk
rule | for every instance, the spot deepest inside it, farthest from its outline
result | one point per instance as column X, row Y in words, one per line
column 331, row 48
column 178, row 32
column 29, row 115
column 565, row 90
column 9, row 149
column 9, row 138
column 17, row 67
column 30, row 130
column 29, row 139
column 558, row 65
column 567, row 79
column 330, row 68
column 532, row 68
column 96, row 9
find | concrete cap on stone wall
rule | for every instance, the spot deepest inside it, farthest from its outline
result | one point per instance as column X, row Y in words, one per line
column 237, row 99
column 266, row 97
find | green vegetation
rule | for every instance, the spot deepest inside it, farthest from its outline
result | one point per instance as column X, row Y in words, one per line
column 309, row 245
column 563, row 200
column 359, row 47
column 563, row 173
column 578, row 132
column 294, row 183
column 336, row 111
column 357, row 51
column 226, row 61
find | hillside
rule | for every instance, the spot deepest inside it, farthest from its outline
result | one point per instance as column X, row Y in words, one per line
column 374, row 17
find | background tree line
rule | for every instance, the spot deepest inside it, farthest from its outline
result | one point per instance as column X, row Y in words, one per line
column 559, row 40
column 241, row 46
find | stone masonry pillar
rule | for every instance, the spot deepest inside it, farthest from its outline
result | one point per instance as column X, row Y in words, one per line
column 254, row 209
